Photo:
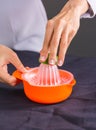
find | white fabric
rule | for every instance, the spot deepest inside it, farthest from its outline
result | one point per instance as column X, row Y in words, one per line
column 91, row 11
column 22, row 24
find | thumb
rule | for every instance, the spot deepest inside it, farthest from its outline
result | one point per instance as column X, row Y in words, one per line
column 7, row 78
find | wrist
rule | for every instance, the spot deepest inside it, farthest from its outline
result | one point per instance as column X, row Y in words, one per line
column 81, row 6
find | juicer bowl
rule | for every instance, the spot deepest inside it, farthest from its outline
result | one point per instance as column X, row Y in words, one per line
column 48, row 94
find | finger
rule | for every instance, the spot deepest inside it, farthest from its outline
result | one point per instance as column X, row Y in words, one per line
column 13, row 59
column 48, row 36
column 66, row 39
column 8, row 79
column 55, row 41
column 72, row 34
column 63, row 46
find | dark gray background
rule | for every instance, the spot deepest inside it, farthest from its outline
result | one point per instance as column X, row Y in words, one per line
column 84, row 43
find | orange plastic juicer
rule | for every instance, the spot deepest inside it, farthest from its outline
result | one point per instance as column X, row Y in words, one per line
column 46, row 84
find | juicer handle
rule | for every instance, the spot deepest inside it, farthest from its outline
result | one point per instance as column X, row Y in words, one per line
column 17, row 74
column 73, row 82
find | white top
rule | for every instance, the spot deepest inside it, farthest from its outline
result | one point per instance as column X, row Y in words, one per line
column 91, row 11
column 92, row 4
column 22, row 24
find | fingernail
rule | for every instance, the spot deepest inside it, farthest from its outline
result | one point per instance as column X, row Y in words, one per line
column 42, row 58
column 60, row 63
column 51, row 62
column 22, row 68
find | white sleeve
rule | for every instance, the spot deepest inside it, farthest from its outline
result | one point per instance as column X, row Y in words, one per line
column 91, row 11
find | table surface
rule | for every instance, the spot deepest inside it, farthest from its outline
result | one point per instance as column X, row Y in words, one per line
column 78, row 112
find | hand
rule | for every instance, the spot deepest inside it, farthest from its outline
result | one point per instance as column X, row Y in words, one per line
column 8, row 56
column 60, row 31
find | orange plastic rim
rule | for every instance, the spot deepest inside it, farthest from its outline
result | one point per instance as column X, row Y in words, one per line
column 47, row 94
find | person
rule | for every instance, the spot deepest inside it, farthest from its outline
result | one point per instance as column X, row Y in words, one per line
column 24, row 23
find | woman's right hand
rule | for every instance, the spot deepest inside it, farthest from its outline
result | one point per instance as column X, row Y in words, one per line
column 8, row 56
column 60, row 31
